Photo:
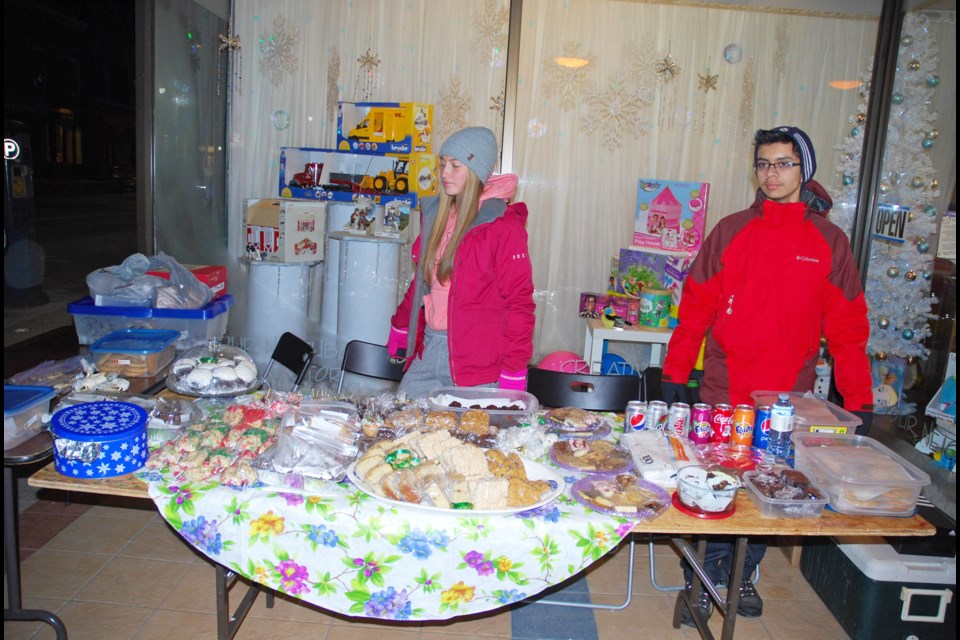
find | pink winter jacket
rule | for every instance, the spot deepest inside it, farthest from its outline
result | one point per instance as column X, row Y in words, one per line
column 490, row 308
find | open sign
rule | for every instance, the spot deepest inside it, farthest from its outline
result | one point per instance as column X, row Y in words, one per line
column 890, row 223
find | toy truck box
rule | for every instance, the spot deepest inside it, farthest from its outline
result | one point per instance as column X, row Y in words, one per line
column 284, row 230
column 392, row 128
column 328, row 175
column 671, row 216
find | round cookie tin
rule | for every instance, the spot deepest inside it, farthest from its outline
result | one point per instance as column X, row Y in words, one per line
column 99, row 439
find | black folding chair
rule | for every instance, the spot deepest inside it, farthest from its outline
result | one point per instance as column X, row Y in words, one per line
column 582, row 390
column 293, row 354
column 368, row 359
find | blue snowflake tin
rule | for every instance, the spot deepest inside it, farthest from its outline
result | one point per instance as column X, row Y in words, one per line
column 99, row 439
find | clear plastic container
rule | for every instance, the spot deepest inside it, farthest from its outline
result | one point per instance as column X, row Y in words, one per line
column 213, row 371
column 706, row 490
column 782, row 508
column 135, row 353
column 813, row 413
column 23, row 408
column 858, row 474
column 506, row 407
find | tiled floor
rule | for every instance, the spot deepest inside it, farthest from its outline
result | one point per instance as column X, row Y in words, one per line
column 112, row 568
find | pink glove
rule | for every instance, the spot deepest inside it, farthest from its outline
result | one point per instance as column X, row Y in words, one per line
column 397, row 341
column 514, row 380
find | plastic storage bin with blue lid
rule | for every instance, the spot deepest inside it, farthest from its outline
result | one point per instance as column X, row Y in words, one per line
column 23, row 407
column 135, row 353
column 100, row 439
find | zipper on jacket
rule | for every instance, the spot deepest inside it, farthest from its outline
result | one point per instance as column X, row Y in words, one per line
column 730, row 305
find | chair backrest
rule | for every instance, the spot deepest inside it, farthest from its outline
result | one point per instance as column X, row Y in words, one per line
column 294, row 354
column 368, row 359
column 582, row 390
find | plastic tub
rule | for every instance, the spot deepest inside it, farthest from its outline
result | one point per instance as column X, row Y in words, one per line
column 196, row 326
column 23, row 407
column 506, row 407
column 782, row 508
column 706, row 490
column 135, row 353
column 813, row 413
column 858, row 474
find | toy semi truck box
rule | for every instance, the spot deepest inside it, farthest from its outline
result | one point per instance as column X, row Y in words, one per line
column 394, row 128
column 284, row 230
column 329, row 175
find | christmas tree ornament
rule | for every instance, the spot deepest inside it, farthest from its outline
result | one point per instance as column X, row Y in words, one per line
column 667, row 69
column 847, row 180
column 910, row 216
column 854, row 132
column 907, row 334
column 917, row 182
column 906, row 40
column 897, row 98
column 883, row 322
column 893, row 271
column 911, row 360
column 881, row 356
column 884, row 187
column 861, row 118
column 933, row 80
column 913, row 65
column 910, row 275
column 930, row 210
column 927, row 274
column 923, row 246
column 933, row 134
column 934, row 184
column 927, row 143
column 733, row 53
column 368, row 74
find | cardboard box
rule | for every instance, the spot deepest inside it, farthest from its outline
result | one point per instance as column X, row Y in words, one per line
column 328, row 175
column 653, row 270
column 594, row 305
column 213, row 276
column 390, row 128
column 285, row 230
column 671, row 216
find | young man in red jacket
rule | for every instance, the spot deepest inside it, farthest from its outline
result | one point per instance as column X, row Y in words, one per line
column 767, row 284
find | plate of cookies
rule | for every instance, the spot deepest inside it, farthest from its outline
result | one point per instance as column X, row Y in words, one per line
column 439, row 473
column 591, row 456
column 622, row 494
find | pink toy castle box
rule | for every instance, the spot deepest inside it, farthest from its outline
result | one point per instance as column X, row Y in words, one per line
column 671, row 215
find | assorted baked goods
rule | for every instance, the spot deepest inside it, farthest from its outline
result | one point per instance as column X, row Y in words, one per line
column 573, row 420
column 622, row 494
column 213, row 370
column 594, row 456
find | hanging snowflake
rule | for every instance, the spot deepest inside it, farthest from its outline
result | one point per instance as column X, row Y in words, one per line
column 490, row 32
column 641, row 66
column 230, row 42
column 333, row 86
column 278, row 51
column 453, row 106
column 615, row 113
column 707, row 82
column 366, row 81
column 780, row 55
column 667, row 69
column 566, row 75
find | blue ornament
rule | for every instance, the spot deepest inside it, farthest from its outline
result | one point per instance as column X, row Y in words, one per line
column 927, row 274
column 854, row 132
column 927, row 143
column 907, row 334
column 930, row 210
column 897, row 98
column 933, row 80
column 923, row 246
column 847, row 180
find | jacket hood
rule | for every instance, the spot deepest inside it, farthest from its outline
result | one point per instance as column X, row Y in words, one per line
column 813, row 195
column 502, row 187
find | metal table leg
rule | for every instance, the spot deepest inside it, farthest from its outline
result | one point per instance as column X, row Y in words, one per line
column 228, row 624
column 11, row 553
column 728, row 605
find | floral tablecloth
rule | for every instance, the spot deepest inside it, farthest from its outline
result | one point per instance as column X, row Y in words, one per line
column 350, row 553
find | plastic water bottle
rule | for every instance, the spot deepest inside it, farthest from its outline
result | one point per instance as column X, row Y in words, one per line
column 781, row 427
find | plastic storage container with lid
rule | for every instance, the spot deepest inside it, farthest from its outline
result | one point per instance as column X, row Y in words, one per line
column 213, row 370
column 196, row 326
column 99, row 439
column 135, row 353
column 23, row 407
column 813, row 413
column 769, row 507
column 858, row 474
column 507, row 407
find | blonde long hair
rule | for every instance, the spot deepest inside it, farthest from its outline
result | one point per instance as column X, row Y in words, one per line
column 467, row 206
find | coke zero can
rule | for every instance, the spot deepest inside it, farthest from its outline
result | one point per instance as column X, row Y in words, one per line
column 678, row 422
column 761, row 426
column 700, row 430
column 720, row 422
column 657, row 415
column 742, row 432
column 635, row 416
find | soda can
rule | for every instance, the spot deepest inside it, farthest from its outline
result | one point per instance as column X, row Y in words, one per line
column 761, row 427
column 635, row 416
column 742, row 432
column 657, row 415
column 678, row 420
column 700, row 429
column 721, row 422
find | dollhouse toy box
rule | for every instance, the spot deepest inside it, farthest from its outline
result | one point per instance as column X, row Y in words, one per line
column 386, row 128
column 671, row 216
column 285, row 230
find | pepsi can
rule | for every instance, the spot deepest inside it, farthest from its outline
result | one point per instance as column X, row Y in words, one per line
column 761, row 432
column 700, row 430
column 635, row 416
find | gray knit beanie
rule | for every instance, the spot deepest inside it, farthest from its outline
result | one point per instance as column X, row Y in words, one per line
column 808, row 159
column 475, row 147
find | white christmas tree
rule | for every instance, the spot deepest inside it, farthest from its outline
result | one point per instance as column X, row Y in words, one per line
column 899, row 274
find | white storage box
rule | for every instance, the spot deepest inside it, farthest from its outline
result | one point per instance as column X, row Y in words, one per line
column 196, row 326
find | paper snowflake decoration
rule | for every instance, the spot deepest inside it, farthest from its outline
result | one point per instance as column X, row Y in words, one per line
column 453, row 106
column 667, row 69
column 707, row 82
column 369, row 62
column 614, row 113
column 278, row 51
column 641, row 66
column 568, row 81
column 490, row 32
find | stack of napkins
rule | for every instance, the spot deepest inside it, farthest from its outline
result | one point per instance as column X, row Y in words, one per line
column 657, row 456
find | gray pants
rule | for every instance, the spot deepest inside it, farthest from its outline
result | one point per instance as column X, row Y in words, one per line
column 431, row 371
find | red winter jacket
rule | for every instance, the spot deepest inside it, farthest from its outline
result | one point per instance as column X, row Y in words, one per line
column 490, row 309
column 768, row 282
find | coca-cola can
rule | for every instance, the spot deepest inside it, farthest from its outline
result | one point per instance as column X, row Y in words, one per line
column 721, row 422
column 700, row 430
column 657, row 414
column 635, row 416
column 761, row 427
column 743, row 418
column 678, row 420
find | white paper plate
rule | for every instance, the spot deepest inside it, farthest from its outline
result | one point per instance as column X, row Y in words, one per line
column 535, row 471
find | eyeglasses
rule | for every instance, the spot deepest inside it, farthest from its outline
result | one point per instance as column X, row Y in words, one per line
column 762, row 166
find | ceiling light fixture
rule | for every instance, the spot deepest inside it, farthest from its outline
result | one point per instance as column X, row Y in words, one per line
column 844, row 85
column 571, row 63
